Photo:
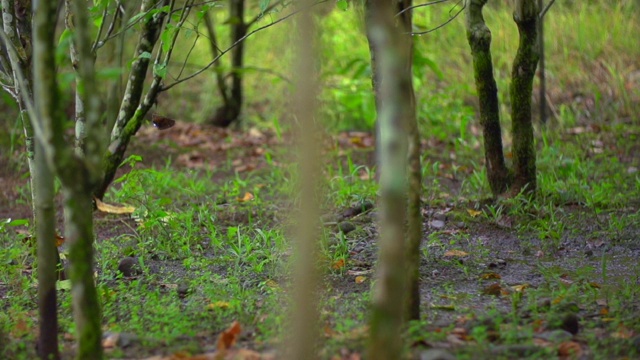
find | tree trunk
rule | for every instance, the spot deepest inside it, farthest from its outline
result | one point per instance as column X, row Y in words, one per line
column 392, row 53
column 230, row 111
column 524, row 69
column 414, row 221
column 17, row 28
column 479, row 38
column 78, row 173
column 48, row 258
column 124, row 127
column 306, row 274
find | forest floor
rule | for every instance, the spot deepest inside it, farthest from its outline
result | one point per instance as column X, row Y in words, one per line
column 556, row 277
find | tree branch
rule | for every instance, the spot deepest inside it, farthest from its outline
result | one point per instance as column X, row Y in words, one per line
column 167, row 87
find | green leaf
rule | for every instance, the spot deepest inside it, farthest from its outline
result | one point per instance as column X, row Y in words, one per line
column 160, row 70
column 17, row 222
column 63, row 285
column 167, row 36
column 264, row 4
column 342, row 5
column 145, row 55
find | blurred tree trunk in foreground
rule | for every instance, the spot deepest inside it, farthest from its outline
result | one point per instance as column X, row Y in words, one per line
column 79, row 172
column 500, row 179
column 395, row 108
column 304, row 333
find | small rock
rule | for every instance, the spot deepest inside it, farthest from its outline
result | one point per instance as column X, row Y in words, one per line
column 440, row 216
column 436, row 354
column 129, row 267
column 346, row 227
column 183, row 291
column 126, row 340
column 437, row 224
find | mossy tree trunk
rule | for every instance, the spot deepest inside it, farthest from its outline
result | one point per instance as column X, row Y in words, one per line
column 131, row 114
column 414, row 210
column 479, row 38
column 523, row 71
column 78, row 173
column 395, row 106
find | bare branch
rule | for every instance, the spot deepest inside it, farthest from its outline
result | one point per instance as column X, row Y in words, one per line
column 421, row 5
column 167, row 87
column 444, row 23
column 546, row 8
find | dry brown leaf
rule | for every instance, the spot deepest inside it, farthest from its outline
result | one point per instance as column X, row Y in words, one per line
column 229, row 337
column 569, row 349
column 113, row 209
column 490, row 275
column 455, row 253
column 338, row 264
column 59, row 240
column 520, row 288
column 247, row 197
column 360, row 279
column 493, row 289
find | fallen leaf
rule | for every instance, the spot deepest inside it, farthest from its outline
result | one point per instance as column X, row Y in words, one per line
column 520, row 288
column 113, row 209
column 495, row 290
column 474, row 213
column 338, row 264
column 59, row 240
column 63, row 285
column 569, row 349
column 489, row 276
column 359, row 273
column 218, row 305
column 247, row 197
column 455, row 253
column 229, row 337
column 360, row 279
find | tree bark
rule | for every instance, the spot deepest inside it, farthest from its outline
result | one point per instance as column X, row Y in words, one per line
column 48, row 258
column 230, row 111
column 414, row 210
column 523, row 71
column 479, row 38
column 122, row 130
column 78, row 173
column 304, row 330
column 391, row 53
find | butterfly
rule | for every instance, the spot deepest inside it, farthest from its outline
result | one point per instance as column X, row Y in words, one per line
column 162, row 122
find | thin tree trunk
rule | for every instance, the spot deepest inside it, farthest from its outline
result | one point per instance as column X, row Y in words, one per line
column 124, row 129
column 414, row 211
column 395, row 109
column 215, row 51
column 230, row 111
column 524, row 69
column 479, row 38
column 78, row 174
column 306, row 274
column 541, row 74
column 17, row 28
column 48, row 258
